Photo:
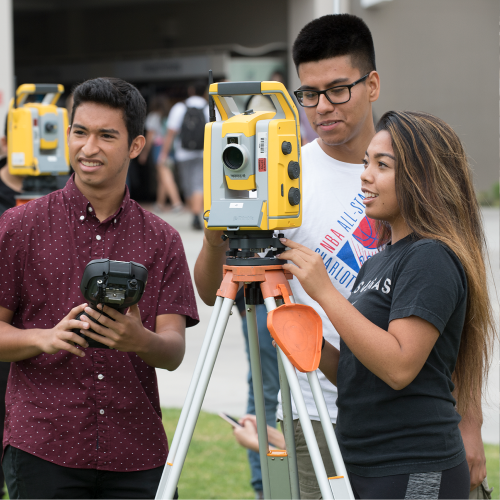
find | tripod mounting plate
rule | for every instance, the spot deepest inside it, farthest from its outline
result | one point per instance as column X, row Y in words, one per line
column 244, row 245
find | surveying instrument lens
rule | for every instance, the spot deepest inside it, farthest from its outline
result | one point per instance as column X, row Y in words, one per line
column 233, row 157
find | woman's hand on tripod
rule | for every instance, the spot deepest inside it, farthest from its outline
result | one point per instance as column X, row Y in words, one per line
column 308, row 267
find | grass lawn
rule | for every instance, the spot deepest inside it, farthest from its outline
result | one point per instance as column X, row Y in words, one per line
column 493, row 466
column 216, row 466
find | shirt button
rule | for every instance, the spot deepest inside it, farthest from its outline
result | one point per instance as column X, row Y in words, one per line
column 101, row 412
column 97, row 237
column 114, row 221
column 100, row 376
column 82, row 217
column 90, row 209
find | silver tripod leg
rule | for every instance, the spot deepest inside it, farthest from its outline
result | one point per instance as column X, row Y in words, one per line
column 196, row 394
column 312, row 444
column 288, row 430
column 194, row 380
column 258, row 394
column 341, row 487
column 310, row 437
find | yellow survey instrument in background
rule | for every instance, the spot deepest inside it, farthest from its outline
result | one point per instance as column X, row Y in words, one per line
column 36, row 132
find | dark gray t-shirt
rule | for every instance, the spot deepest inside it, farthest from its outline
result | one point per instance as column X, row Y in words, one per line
column 382, row 431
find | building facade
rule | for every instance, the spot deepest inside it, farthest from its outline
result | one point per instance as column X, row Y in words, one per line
column 438, row 56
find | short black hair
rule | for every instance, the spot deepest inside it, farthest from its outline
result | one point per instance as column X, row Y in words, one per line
column 118, row 94
column 336, row 35
column 200, row 87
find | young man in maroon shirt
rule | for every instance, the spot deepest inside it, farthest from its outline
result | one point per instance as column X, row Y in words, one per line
column 84, row 421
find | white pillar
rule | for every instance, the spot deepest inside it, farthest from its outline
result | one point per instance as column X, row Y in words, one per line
column 6, row 59
column 300, row 12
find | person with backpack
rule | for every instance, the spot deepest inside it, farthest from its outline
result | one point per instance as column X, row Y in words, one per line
column 186, row 126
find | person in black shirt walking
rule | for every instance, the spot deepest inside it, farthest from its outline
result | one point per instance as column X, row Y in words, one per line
column 418, row 323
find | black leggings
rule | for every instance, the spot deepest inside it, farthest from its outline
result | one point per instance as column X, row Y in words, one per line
column 451, row 483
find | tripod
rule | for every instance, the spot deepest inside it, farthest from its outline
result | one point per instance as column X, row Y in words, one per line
column 297, row 332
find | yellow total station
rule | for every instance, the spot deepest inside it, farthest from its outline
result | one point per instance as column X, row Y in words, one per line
column 252, row 163
column 36, row 132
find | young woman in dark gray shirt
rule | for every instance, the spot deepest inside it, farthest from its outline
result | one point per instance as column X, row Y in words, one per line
column 417, row 330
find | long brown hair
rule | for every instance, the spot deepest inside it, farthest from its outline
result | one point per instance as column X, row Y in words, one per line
column 436, row 198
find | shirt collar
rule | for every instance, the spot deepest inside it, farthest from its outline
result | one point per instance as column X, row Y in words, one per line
column 83, row 208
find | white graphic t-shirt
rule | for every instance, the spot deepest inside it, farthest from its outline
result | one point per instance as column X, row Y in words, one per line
column 333, row 225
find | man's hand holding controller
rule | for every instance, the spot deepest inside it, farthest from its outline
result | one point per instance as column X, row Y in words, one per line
column 61, row 336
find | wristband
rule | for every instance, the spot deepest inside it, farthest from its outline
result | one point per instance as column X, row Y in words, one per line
column 323, row 343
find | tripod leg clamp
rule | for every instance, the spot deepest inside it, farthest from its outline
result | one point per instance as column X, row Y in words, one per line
column 228, row 288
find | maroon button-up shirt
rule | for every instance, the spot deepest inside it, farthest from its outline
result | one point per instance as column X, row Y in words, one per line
column 101, row 411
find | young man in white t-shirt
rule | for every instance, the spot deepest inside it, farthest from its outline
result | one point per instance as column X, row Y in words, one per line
column 331, row 52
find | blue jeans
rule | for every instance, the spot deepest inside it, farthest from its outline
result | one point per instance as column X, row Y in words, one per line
column 270, row 378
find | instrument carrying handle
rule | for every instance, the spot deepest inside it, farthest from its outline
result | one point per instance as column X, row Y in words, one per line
column 276, row 90
column 238, row 88
column 27, row 89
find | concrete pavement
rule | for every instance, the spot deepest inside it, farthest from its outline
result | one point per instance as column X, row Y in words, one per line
column 491, row 425
column 227, row 390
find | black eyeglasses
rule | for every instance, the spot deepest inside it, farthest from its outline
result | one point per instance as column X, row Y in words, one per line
column 336, row 95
